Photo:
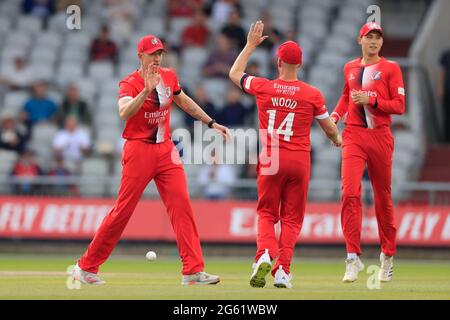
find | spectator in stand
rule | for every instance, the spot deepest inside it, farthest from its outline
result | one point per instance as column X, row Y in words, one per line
column 73, row 105
column 39, row 107
column 216, row 179
column 234, row 31
column 234, row 112
column 71, row 142
column 254, row 68
column 201, row 97
column 221, row 9
column 28, row 170
column 197, row 33
column 59, row 169
column 183, row 8
column 275, row 36
column 444, row 91
column 39, row 8
column 103, row 48
column 13, row 136
column 171, row 59
column 220, row 60
column 121, row 15
column 18, row 76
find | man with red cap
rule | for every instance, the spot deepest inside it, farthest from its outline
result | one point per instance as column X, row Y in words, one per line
column 373, row 90
column 286, row 110
column 145, row 97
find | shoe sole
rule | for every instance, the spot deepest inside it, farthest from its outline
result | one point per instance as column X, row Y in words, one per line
column 78, row 278
column 259, row 279
column 193, row 283
column 281, row 286
column 349, row 280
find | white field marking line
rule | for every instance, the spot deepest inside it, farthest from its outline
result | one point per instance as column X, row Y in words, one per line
column 58, row 273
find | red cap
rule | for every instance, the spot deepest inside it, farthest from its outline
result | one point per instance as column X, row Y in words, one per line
column 149, row 44
column 370, row 26
column 290, row 52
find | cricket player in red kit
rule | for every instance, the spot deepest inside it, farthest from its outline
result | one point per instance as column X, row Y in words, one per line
column 373, row 90
column 286, row 109
column 145, row 97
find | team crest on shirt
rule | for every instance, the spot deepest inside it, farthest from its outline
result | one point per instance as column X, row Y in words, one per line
column 376, row 75
column 352, row 77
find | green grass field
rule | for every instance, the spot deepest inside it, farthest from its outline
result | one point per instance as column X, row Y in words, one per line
column 43, row 277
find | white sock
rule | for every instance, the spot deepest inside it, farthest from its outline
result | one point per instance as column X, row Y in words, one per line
column 352, row 256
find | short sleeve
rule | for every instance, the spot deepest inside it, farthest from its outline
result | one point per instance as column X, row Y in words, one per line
column 126, row 90
column 252, row 85
column 176, row 84
column 320, row 109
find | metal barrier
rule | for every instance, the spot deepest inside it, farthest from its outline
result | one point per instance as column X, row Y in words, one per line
column 431, row 193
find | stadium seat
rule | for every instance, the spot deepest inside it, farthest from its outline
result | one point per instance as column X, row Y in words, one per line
column 68, row 73
column 5, row 25
column 49, row 39
column 79, row 40
column 101, row 70
column 18, row 39
column 217, row 90
column 71, row 55
column 177, row 26
column 155, row 26
column 91, row 170
column 7, row 159
column 30, row 24
column 44, row 132
column 15, row 100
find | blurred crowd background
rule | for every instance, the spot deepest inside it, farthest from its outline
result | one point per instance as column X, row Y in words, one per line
column 60, row 132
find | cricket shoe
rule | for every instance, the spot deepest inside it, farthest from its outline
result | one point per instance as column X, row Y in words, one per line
column 86, row 277
column 260, row 270
column 387, row 268
column 353, row 267
column 200, row 278
column 282, row 279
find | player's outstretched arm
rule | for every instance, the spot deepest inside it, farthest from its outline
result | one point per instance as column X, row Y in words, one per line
column 331, row 130
column 192, row 108
column 254, row 39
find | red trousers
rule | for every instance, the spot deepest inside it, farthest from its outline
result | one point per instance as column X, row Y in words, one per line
column 373, row 147
column 282, row 197
column 143, row 162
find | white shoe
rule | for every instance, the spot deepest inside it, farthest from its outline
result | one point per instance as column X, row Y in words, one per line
column 353, row 267
column 200, row 278
column 387, row 268
column 260, row 270
column 282, row 279
column 86, row 277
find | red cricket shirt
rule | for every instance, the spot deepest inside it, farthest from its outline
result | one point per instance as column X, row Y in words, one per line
column 151, row 123
column 382, row 82
column 286, row 110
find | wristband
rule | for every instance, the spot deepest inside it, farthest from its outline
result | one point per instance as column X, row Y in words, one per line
column 210, row 124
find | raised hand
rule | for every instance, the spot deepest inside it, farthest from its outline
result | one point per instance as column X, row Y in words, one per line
column 255, row 37
column 151, row 77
